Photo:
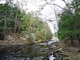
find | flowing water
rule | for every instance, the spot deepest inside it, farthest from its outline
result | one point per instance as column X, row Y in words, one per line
column 26, row 52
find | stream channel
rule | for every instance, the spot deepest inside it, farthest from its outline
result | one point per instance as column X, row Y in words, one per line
column 26, row 52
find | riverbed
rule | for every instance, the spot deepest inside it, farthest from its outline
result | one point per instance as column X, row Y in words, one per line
column 33, row 51
column 25, row 52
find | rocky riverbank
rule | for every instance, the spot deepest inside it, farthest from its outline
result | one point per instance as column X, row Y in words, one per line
column 41, row 51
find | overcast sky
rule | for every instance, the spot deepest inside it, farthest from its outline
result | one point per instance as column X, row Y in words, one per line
column 48, row 12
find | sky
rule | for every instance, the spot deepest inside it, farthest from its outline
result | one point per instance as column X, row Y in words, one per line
column 48, row 12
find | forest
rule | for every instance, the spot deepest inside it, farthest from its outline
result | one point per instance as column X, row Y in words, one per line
column 15, row 20
column 26, row 36
column 69, row 25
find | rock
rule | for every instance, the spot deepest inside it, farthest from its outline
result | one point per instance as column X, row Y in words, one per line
column 53, row 47
column 32, row 38
column 60, row 55
column 38, row 58
column 27, row 59
column 55, row 39
column 9, row 37
column 22, row 38
column 25, row 34
column 44, row 44
column 66, row 58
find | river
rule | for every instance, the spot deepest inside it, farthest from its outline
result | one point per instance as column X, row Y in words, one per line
column 38, row 51
column 26, row 52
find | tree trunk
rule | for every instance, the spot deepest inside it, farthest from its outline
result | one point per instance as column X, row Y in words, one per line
column 78, row 38
column 71, row 39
